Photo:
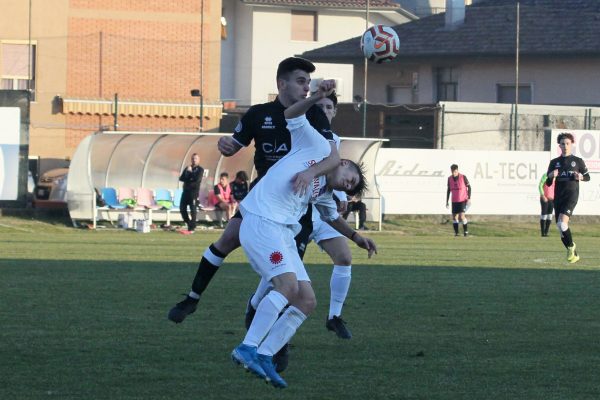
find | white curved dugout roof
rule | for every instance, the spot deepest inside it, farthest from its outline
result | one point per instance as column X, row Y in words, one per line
column 155, row 160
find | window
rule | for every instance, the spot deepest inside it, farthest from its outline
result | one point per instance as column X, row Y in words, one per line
column 304, row 26
column 447, row 84
column 14, row 61
column 505, row 93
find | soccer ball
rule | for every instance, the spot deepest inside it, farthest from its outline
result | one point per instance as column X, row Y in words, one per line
column 380, row 43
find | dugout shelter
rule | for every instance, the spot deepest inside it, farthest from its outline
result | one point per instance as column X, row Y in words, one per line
column 154, row 160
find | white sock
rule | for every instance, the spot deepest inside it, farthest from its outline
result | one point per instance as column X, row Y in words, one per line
column 263, row 288
column 282, row 331
column 266, row 314
column 194, row 295
column 339, row 286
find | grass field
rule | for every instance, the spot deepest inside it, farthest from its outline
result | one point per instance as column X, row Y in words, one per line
column 499, row 315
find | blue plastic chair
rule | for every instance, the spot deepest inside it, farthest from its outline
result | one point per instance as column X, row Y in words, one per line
column 109, row 195
column 162, row 195
column 176, row 202
column 177, row 198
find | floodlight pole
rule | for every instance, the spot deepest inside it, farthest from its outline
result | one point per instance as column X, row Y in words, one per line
column 517, row 76
column 201, row 127
column 364, row 127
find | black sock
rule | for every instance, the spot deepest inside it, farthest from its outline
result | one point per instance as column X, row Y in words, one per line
column 543, row 226
column 455, row 224
column 568, row 238
column 205, row 272
column 465, row 228
column 547, row 227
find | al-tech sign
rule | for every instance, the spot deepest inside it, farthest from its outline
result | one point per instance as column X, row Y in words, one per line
column 503, row 182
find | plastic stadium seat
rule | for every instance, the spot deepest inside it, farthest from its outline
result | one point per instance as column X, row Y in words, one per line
column 126, row 196
column 109, row 195
column 177, row 198
column 163, row 198
column 145, row 198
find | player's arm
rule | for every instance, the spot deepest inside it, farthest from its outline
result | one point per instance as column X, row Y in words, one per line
column 448, row 191
column 551, row 174
column 584, row 174
column 342, row 200
column 228, row 146
column 326, row 87
column 303, row 179
column 328, row 213
column 468, row 185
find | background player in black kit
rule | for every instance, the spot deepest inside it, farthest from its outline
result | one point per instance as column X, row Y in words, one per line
column 568, row 171
column 266, row 125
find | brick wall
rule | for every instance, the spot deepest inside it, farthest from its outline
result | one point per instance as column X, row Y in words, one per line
column 142, row 57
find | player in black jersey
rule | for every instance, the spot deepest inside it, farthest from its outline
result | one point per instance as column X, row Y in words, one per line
column 266, row 125
column 568, row 171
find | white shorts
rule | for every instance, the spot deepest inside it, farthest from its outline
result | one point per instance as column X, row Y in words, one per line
column 270, row 247
column 322, row 231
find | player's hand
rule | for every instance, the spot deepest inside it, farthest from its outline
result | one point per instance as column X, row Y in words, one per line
column 366, row 243
column 326, row 87
column 189, row 168
column 302, row 181
column 544, row 198
column 227, row 146
column 554, row 173
column 342, row 207
column 578, row 176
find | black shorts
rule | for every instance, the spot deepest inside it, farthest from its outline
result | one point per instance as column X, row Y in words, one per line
column 459, row 207
column 302, row 238
column 565, row 206
column 547, row 206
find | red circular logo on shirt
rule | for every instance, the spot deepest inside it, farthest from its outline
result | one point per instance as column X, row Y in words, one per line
column 276, row 257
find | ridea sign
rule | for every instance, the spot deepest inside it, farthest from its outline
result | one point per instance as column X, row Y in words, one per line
column 9, row 152
column 414, row 181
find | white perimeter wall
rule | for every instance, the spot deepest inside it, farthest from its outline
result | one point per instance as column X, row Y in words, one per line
column 503, row 182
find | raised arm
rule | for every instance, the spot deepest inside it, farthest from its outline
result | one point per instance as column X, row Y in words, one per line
column 299, row 108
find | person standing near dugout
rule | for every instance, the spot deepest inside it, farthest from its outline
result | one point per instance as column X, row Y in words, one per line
column 546, row 204
column 459, row 186
column 567, row 170
column 191, row 177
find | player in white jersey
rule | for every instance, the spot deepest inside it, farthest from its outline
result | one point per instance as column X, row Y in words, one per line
column 271, row 212
column 333, row 243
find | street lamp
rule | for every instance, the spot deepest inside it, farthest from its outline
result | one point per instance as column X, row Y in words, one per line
column 197, row 93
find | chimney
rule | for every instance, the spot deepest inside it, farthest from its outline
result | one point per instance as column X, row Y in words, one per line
column 455, row 13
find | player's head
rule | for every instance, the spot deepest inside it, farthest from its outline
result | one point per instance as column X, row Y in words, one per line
column 565, row 141
column 293, row 79
column 348, row 177
column 329, row 105
column 241, row 176
column 195, row 159
column 454, row 169
column 224, row 178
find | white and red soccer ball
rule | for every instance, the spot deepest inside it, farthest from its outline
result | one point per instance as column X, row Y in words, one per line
column 380, row 43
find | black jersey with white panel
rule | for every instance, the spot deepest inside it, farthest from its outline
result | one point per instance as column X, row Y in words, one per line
column 265, row 124
column 567, row 187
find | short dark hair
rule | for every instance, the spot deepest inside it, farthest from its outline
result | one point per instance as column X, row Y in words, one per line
column 453, row 167
column 242, row 176
column 565, row 135
column 333, row 97
column 290, row 64
column 224, row 174
column 361, row 187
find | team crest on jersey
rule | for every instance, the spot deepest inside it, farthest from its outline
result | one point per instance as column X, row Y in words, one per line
column 557, row 165
column 276, row 257
column 573, row 163
column 238, row 127
column 268, row 123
